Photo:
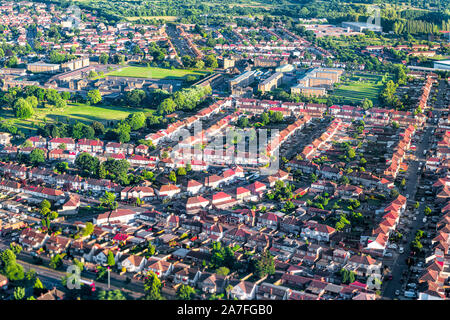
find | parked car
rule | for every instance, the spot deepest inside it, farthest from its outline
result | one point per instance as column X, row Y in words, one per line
column 410, row 294
column 412, row 285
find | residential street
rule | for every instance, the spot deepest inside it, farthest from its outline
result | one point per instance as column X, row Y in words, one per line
column 412, row 183
column 52, row 278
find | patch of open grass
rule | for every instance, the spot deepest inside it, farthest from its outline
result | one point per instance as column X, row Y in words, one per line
column 73, row 112
column 360, row 86
column 155, row 73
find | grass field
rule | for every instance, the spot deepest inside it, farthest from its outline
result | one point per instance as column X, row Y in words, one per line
column 73, row 112
column 155, row 73
column 360, row 86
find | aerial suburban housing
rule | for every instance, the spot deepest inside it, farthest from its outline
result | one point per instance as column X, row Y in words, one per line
column 291, row 151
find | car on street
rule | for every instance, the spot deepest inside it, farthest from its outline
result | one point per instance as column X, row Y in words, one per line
column 412, row 285
column 410, row 294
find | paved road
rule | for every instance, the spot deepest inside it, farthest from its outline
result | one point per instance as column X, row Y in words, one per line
column 413, row 181
column 411, row 189
column 52, row 278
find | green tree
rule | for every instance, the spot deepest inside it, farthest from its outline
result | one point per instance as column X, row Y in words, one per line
column 181, row 171
column 137, row 120
column 23, row 109
column 108, row 200
column 185, row 292
column 367, row 104
column 152, row 287
column 211, row 61
column 87, row 163
column 62, row 167
column 166, row 107
column 56, row 262
column 99, row 128
column 19, row 293
column 12, row 62
column 111, row 295
column 80, row 131
column 94, row 96
column 111, row 261
column 172, row 177
column 38, row 287
column 265, row 265
column 88, row 229
column 136, row 97
column 37, row 156
column 151, row 249
column 16, row 248
column 103, row 59
column 222, row 271
column 33, row 101
column 351, row 153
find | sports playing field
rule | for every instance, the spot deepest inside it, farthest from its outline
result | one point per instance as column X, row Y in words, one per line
column 155, row 73
column 360, row 86
column 73, row 112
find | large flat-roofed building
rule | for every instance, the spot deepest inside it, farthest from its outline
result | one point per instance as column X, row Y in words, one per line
column 75, row 64
column 320, row 82
column 308, row 91
column 271, row 82
column 316, row 81
column 42, row 67
column 8, row 83
column 13, row 71
column 329, row 73
column 263, row 62
column 443, row 64
column 72, row 75
column 228, row 63
column 243, row 80
column 285, row 68
column 321, row 77
column 361, row 26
